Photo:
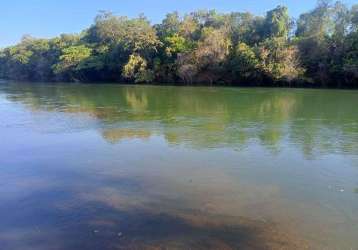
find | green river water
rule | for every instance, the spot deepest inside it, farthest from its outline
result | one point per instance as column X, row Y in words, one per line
column 106, row 166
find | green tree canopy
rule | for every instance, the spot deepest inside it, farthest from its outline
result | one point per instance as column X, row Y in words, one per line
column 205, row 46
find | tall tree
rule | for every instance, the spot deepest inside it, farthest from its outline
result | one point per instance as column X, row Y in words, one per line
column 277, row 22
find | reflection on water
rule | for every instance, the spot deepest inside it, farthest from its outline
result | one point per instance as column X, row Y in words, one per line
column 201, row 117
column 141, row 167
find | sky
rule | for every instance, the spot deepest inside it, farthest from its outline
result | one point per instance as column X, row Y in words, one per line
column 49, row 18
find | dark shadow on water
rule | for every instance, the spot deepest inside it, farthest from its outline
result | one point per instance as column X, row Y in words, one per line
column 54, row 219
column 78, row 208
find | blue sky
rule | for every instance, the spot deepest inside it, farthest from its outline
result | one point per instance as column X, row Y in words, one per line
column 48, row 18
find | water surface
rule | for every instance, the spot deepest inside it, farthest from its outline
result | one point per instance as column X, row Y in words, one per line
column 147, row 167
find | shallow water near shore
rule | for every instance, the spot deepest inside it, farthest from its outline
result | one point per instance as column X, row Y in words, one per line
column 105, row 166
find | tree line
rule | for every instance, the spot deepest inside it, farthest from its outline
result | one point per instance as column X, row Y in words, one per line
column 319, row 49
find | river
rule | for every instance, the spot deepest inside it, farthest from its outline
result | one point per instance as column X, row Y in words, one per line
column 104, row 166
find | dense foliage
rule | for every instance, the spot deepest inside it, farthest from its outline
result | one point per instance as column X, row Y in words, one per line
column 319, row 49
